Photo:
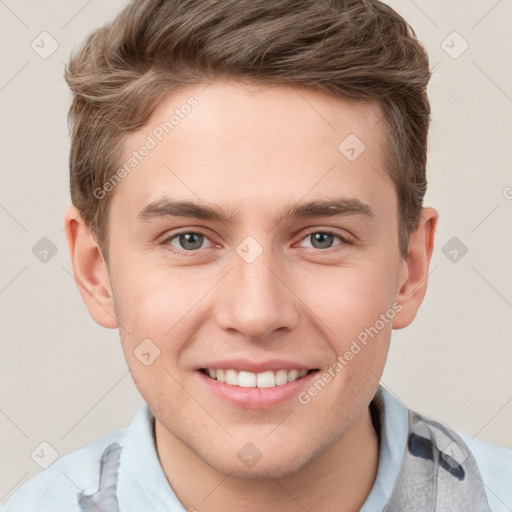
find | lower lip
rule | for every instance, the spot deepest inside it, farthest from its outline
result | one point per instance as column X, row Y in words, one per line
column 256, row 398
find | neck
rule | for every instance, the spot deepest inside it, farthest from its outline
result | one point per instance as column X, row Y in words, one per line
column 339, row 479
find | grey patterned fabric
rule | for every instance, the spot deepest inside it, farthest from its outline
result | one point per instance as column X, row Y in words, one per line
column 438, row 472
column 105, row 498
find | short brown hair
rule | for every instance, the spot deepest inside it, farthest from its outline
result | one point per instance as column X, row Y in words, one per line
column 353, row 49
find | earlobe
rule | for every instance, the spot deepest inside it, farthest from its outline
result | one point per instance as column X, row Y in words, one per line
column 90, row 270
column 413, row 284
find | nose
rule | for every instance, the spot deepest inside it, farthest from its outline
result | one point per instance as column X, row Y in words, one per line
column 256, row 298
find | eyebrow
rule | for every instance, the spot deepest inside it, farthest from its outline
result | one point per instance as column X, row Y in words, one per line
column 340, row 207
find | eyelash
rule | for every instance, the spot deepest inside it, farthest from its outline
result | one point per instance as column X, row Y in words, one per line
column 194, row 252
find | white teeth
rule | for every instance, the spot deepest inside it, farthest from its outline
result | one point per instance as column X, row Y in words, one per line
column 281, row 377
column 265, row 379
column 292, row 375
column 232, row 377
column 244, row 379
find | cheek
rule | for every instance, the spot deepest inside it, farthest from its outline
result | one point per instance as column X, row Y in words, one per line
column 153, row 301
column 155, row 311
column 348, row 300
column 354, row 311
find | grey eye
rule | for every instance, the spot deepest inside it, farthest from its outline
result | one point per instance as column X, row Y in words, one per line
column 321, row 240
column 190, row 241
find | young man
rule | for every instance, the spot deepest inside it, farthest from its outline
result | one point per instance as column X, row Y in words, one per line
column 247, row 182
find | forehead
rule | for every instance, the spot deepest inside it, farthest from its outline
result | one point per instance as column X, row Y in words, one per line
column 227, row 141
column 277, row 116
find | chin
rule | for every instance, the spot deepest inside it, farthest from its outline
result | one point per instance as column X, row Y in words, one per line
column 265, row 468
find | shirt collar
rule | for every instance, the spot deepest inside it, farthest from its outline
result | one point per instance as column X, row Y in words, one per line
column 393, row 420
column 142, row 480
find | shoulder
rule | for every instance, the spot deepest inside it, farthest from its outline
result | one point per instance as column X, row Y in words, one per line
column 495, row 465
column 58, row 488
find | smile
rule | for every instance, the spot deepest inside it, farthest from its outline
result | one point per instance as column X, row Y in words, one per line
column 245, row 379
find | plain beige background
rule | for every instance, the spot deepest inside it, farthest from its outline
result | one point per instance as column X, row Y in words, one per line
column 64, row 380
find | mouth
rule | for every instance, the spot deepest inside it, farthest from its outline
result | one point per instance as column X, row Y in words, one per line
column 248, row 390
column 246, row 379
column 249, row 383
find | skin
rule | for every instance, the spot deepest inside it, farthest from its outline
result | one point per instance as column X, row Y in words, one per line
column 252, row 151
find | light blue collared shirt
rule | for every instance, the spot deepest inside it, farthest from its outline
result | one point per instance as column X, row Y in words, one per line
column 141, row 484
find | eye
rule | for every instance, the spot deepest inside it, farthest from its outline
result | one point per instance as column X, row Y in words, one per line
column 187, row 241
column 323, row 239
column 192, row 241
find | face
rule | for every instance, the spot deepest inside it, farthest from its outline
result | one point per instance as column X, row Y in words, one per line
column 285, row 257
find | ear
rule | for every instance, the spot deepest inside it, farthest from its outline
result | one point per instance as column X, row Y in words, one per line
column 414, row 278
column 90, row 269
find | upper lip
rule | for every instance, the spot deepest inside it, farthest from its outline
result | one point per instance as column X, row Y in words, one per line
column 256, row 367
